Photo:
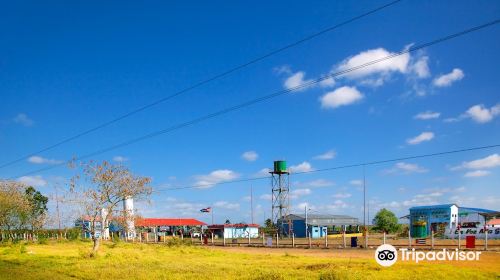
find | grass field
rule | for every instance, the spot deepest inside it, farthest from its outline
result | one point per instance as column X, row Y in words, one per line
column 158, row 261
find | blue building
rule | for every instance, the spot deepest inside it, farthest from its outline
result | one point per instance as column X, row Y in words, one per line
column 442, row 218
column 319, row 225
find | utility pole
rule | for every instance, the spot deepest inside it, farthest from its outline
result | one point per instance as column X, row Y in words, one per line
column 307, row 229
column 57, row 210
column 251, row 203
column 364, row 209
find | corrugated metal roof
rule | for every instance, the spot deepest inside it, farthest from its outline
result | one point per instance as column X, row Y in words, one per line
column 168, row 222
column 480, row 210
column 321, row 216
column 325, row 219
column 433, row 206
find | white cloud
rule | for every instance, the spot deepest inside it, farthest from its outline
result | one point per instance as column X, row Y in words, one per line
column 328, row 82
column 340, row 97
column 407, row 168
column 448, row 79
column 318, row 183
column 490, row 161
column 384, row 68
column 23, row 119
column 41, row 160
column 35, row 181
column 422, row 137
column 120, row 159
column 481, row 114
column 284, row 69
column 477, row 173
column 227, row 205
column 294, row 194
column 421, row 67
column 337, row 204
column 215, row 177
column 266, row 196
column 263, row 172
column 296, row 80
column 327, row 155
column 303, row 167
column 427, row 115
column 356, row 182
column 250, row 156
column 342, row 195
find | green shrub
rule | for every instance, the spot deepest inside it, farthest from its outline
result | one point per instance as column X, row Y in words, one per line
column 178, row 242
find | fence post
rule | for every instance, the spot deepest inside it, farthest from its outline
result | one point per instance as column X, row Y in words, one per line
column 249, row 239
column 486, row 239
column 277, row 240
column 212, row 238
column 224, row 239
column 147, row 237
column 326, row 239
column 432, row 239
column 409, row 239
column 343, row 237
column 310, row 242
column 459, row 239
column 264, row 239
column 366, row 238
column 293, row 240
column 384, row 236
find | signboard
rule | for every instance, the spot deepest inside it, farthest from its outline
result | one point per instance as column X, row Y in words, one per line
column 479, row 233
column 269, row 242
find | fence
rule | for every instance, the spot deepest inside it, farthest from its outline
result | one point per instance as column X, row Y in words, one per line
column 372, row 241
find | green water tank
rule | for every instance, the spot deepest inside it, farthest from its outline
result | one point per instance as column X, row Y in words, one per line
column 279, row 166
column 419, row 230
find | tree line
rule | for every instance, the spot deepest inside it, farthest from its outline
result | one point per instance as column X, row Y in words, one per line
column 22, row 209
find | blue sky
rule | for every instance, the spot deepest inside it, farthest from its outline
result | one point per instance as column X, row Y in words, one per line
column 66, row 67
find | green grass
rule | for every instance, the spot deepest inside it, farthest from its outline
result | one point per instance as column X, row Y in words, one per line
column 139, row 261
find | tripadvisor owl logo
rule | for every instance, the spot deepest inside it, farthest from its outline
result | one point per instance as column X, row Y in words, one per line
column 386, row 255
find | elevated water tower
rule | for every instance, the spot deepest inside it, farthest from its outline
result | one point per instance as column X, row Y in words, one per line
column 280, row 200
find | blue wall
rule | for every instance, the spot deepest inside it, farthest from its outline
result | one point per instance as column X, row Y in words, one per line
column 299, row 228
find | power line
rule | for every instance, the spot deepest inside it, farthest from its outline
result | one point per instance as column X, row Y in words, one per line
column 201, row 83
column 266, row 97
column 361, row 164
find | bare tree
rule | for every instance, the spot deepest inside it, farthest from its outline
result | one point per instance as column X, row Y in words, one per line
column 105, row 187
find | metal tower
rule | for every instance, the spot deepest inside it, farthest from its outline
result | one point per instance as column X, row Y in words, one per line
column 280, row 200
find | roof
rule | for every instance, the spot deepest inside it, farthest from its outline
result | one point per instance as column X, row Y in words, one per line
column 324, row 219
column 240, row 225
column 425, row 207
column 480, row 210
column 493, row 222
column 460, row 209
column 168, row 222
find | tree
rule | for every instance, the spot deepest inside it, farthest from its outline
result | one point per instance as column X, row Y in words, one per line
column 15, row 208
column 38, row 207
column 269, row 227
column 106, row 186
column 269, row 223
column 227, row 222
column 386, row 221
